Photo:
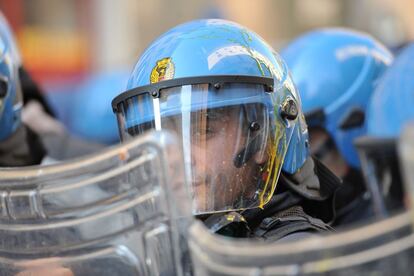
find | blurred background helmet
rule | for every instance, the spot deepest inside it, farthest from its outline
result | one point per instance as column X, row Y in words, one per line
column 95, row 95
column 392, row 104
column 228, row 96
column 10, row 91
column 389, row 110
column 7, row 34
column 335, row 71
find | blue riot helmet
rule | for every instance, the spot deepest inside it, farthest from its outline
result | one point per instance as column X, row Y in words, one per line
column 228, row 96
column 95, row 94
column 10, row 91
column 7, row 34
column 392, row 104
column 335, row 71
column 390, row 109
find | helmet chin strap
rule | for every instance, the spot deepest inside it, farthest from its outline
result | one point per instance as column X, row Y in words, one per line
column 313, row 181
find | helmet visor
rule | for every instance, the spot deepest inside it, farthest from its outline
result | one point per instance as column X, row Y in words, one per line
column 233, row 140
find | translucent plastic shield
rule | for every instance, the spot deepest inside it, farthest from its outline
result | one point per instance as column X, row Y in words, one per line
column 384, row 247
column 118, row 212
column 233, row 139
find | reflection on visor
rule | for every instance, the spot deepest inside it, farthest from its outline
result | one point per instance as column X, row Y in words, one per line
column 233, row 143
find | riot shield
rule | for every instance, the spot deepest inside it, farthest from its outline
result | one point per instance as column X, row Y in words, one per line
column 383, row 247
column 113, row 213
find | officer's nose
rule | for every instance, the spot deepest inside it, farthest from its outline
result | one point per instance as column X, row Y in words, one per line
column 199, row 159
column 195, row 154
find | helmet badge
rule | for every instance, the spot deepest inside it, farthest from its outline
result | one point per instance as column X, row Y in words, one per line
column 163, row 70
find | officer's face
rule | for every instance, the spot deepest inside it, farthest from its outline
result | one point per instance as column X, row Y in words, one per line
column 214, row 139
column 217, row 137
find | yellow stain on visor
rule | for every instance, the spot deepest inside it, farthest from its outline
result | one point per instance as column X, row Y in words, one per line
column 274, row 165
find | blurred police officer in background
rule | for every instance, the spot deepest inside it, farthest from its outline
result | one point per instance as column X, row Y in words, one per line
column 41, row 134
column 336, row 71
column 19, row 145
column 390, row 109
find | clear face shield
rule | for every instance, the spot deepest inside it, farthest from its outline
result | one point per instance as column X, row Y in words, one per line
column 232, row 138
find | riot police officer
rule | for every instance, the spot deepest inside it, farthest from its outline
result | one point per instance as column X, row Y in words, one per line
column 19, row 145
column 389, row 110
column 228, row 96
column 336, row 71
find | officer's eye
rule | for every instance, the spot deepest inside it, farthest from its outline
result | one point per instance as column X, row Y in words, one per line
column 204, row 132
